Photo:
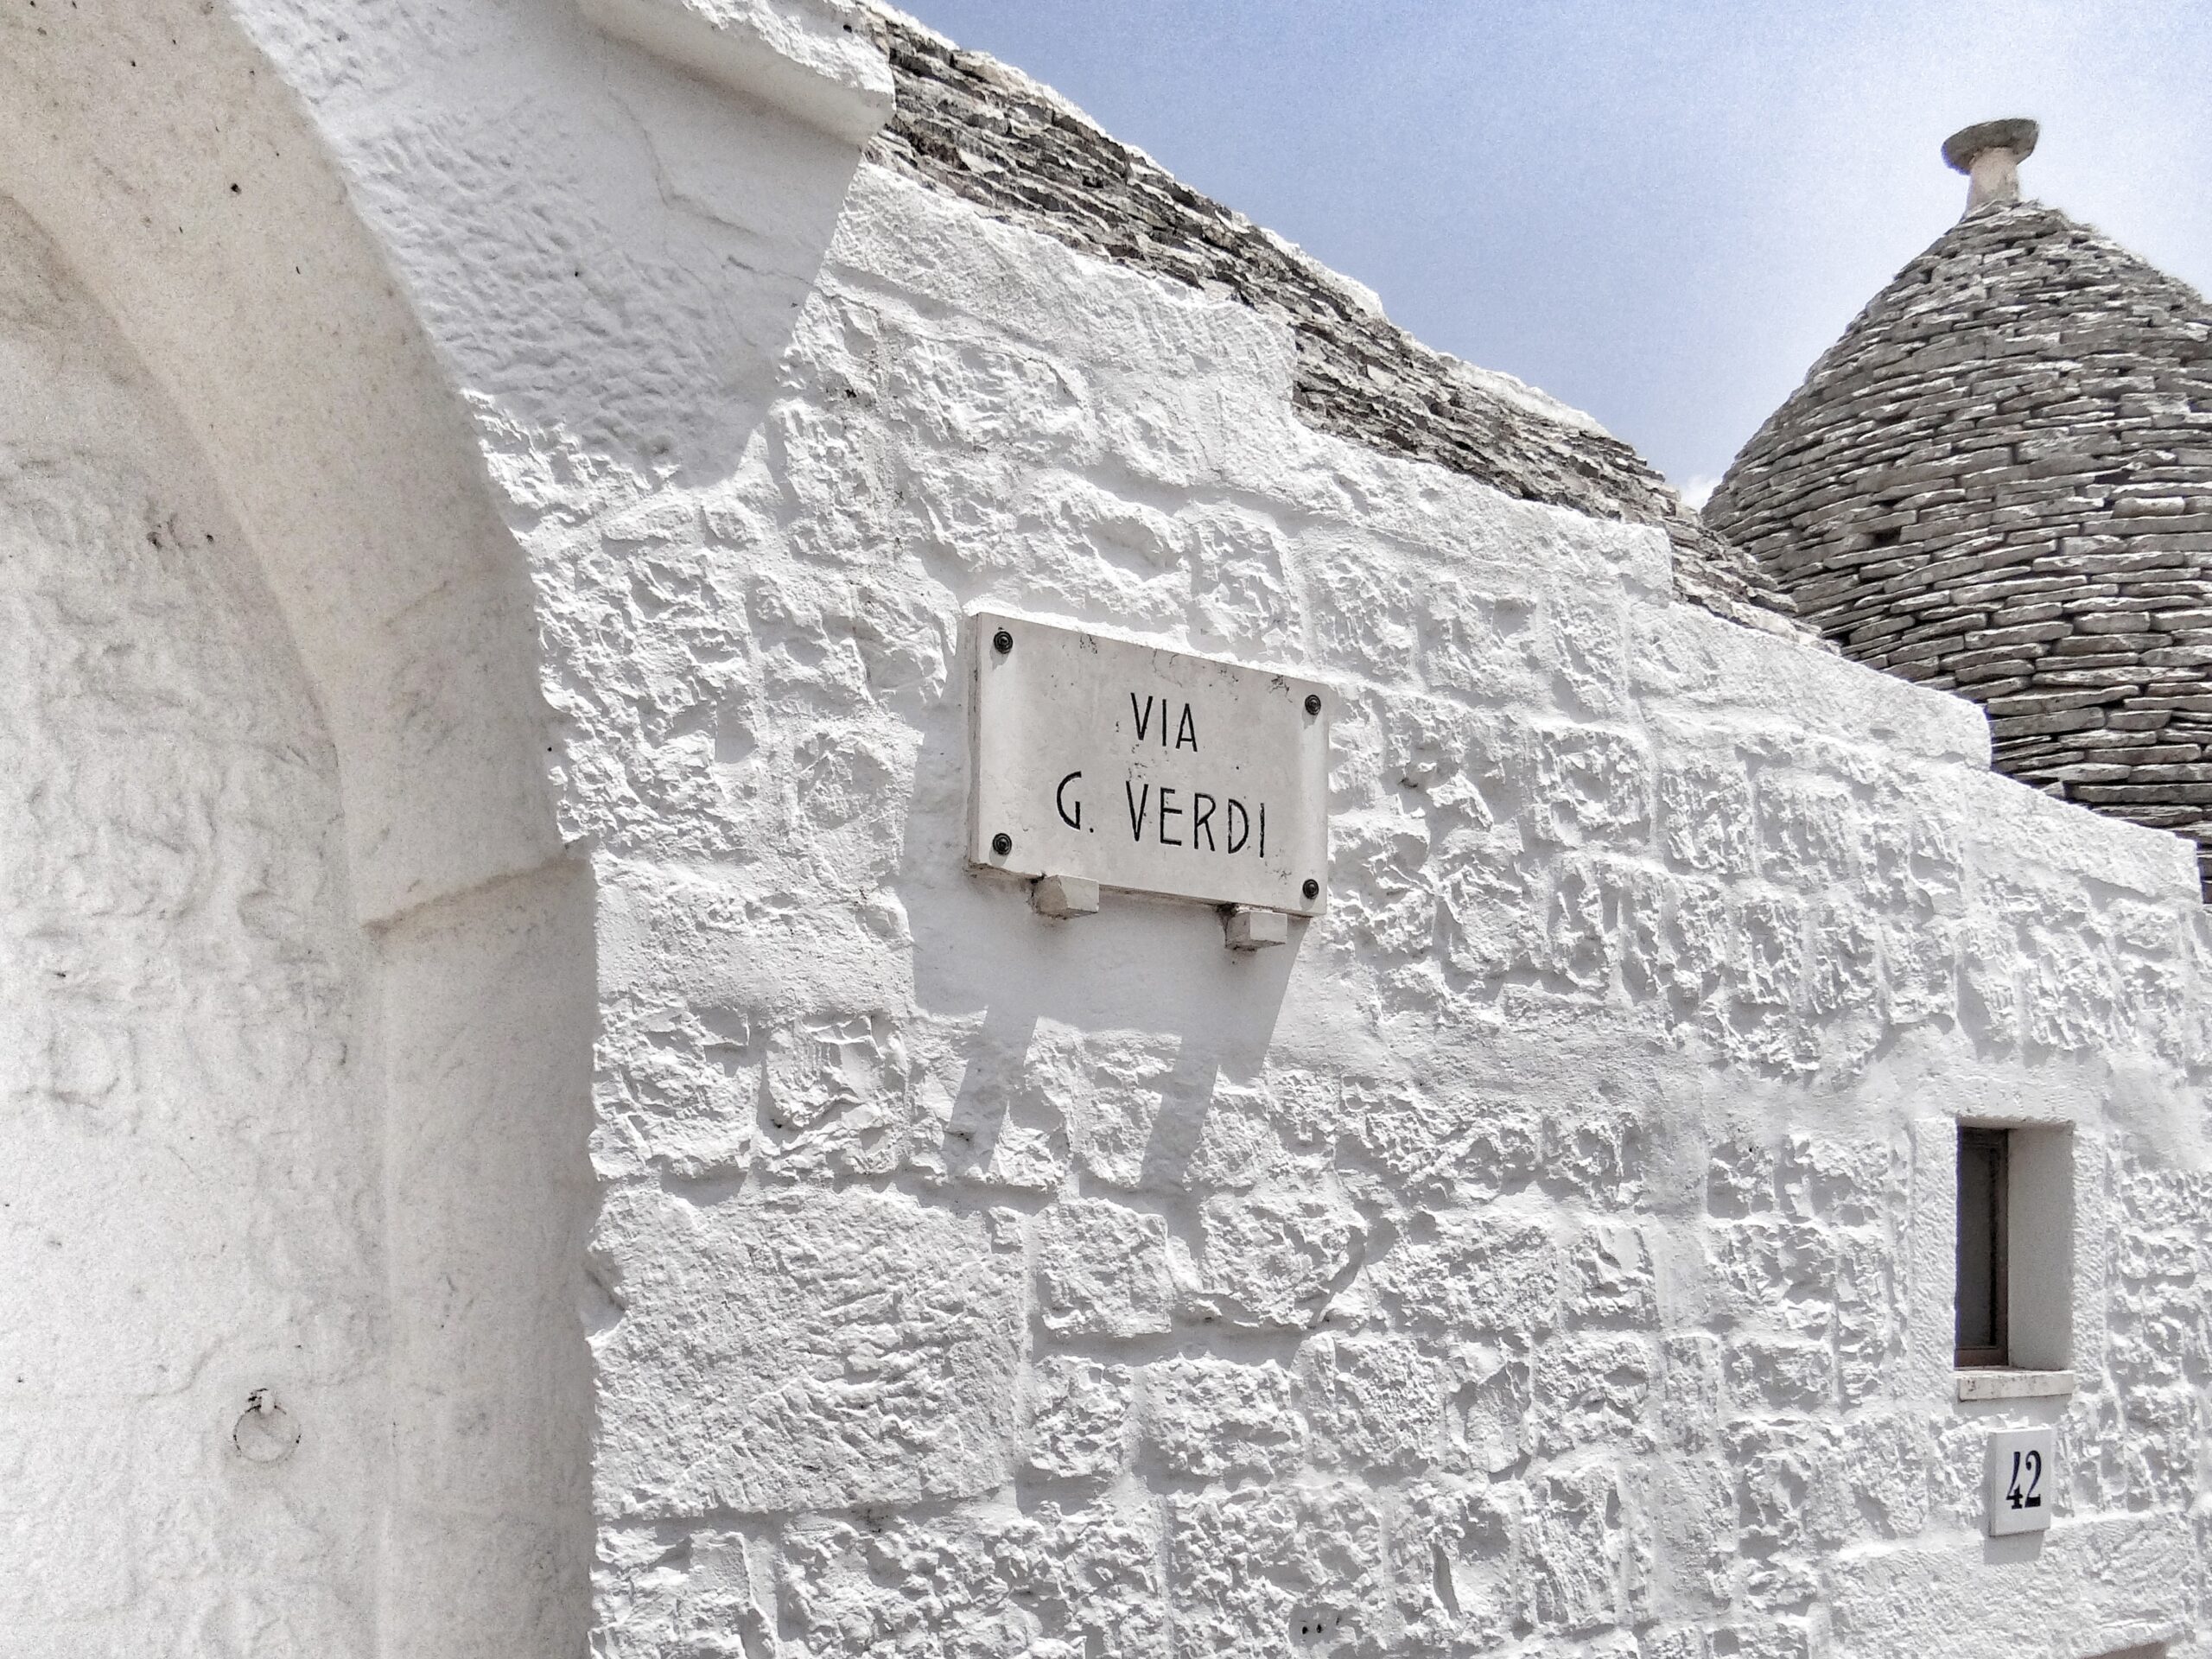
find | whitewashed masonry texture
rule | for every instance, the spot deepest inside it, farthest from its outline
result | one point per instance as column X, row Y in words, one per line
column 531, row 1138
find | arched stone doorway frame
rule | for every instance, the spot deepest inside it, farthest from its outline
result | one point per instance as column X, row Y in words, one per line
column 171, row 166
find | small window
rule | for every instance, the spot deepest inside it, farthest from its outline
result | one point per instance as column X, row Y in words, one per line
column 2015, row 1248
column 1982, row 1216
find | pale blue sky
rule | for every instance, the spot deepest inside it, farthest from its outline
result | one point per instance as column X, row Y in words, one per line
column 1661, row 212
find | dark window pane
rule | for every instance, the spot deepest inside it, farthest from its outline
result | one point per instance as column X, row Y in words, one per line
column 1981, row 1247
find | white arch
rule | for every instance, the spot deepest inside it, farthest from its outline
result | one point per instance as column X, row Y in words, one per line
column 151, row 142
column 171, row 166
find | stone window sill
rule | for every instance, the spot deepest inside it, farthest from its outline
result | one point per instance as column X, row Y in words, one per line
column 2004, row 1382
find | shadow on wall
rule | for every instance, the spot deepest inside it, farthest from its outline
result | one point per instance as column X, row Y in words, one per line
column 370, row 958
column 719, row 232
column 191, row 1110
column 609, row 249
column 1155, row 967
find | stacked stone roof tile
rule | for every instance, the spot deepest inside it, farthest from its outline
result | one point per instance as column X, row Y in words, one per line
column 1999, row 482
column 972, row 126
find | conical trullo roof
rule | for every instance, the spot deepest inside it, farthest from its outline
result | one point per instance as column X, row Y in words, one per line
column 1999, row 482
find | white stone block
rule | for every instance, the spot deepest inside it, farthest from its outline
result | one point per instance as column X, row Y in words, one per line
column 811, row 59
column 1245, row 929
column 1062, row 896
column 1998, row 1383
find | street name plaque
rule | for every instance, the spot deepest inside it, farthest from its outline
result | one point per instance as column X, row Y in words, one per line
column 1144, row 770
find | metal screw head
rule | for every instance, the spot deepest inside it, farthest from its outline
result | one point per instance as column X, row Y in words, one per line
column 1312, row 889
column 1312, row 703
column 1002, row 844
column 1001, row 642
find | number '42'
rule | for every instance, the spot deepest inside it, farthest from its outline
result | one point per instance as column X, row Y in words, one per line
column 2028, row 1496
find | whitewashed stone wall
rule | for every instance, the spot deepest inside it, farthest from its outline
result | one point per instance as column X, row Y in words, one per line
column 188, row 1210
column 1549, row 1252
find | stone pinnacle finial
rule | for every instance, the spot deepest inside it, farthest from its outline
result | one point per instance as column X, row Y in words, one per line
column 1990, row 153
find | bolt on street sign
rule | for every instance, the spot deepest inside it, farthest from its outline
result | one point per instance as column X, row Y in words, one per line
column 1146, row 770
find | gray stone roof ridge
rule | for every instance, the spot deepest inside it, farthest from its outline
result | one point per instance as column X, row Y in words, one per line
column 974, row 127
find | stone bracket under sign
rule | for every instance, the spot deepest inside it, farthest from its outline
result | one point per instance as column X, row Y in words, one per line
column 1099, row 760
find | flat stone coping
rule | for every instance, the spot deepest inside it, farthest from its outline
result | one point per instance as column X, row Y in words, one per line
column 2003, row 1383
column 2018, row 133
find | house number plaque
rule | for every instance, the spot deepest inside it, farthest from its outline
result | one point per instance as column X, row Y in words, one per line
column 2022, row 1479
